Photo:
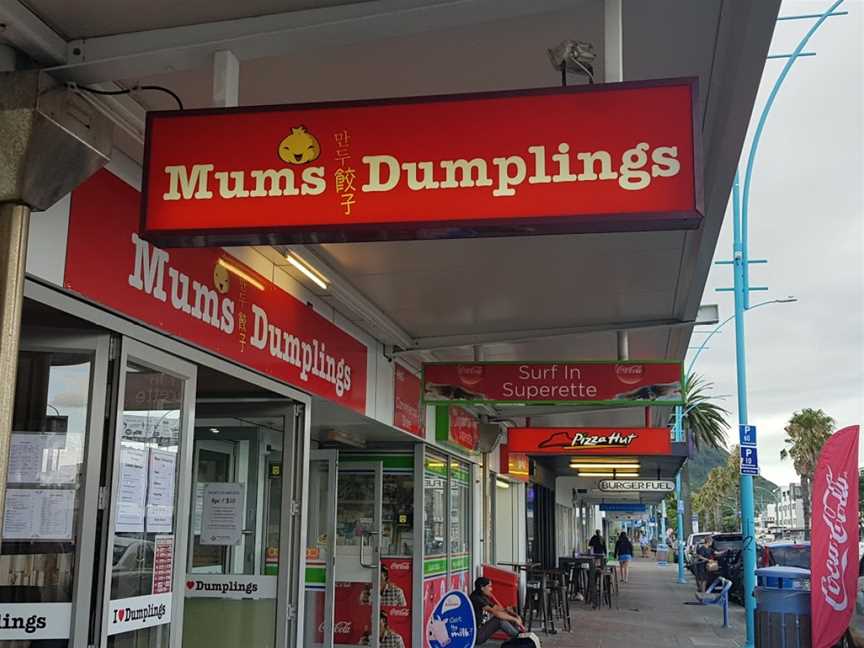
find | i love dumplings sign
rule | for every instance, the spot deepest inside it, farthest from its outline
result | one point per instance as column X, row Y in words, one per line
column 598, row 158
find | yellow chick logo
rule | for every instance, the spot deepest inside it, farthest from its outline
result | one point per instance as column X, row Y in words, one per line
column 221, row 280
column 299, row 147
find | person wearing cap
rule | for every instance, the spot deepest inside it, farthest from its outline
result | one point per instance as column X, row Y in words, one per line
column 491, row 616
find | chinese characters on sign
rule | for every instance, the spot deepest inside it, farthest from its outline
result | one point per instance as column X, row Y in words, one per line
column 345, row 175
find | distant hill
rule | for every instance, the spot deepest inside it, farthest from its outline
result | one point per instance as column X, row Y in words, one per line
column 707, row 458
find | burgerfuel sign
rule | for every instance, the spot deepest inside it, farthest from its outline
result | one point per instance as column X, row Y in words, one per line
column 593, row 158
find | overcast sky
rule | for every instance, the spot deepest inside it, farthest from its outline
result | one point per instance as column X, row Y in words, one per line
column 806, row 210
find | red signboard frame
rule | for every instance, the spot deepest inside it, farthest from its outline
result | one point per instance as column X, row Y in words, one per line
column 589, row 441
column 553, row 383
column 611, row 121
column 105, row 258
column 457, row 427
column 515, row 465
column 407, row 407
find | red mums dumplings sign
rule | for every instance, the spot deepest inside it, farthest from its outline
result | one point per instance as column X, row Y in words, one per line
column 206, row 297
column 589, row 158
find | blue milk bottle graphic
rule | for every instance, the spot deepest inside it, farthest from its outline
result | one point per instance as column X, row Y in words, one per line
column 452, row 624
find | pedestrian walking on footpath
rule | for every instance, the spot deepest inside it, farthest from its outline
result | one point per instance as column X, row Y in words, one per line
column 624, row 554
column 597, row 544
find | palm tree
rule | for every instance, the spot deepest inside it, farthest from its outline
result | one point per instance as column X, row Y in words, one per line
column 806, row 432
column 705, row 422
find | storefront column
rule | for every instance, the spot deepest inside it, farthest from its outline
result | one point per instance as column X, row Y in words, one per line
column 51, row 144
column 14, row 225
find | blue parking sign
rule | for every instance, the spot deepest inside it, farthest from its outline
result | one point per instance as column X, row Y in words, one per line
column 747, row 435
column 749, row 461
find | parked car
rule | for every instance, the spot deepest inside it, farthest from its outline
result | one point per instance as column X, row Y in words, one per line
column 693, row 541
column 787, row 554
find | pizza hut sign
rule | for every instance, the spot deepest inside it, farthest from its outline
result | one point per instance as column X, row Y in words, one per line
column 614, row 157
column 588, row 441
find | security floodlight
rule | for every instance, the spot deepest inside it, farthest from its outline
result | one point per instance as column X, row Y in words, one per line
column 575, row 57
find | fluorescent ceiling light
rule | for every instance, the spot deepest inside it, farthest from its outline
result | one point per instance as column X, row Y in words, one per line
column 243, row 275
column 590, row 466
column 501, row 484
column 308, row 270
column 605, row 460
column 598, row 474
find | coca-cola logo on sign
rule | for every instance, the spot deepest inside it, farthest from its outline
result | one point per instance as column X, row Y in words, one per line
column 400, row 566
column 836, row 496
column 629, row 374
column 341, row 628
column 399, row 612
column 470, row 374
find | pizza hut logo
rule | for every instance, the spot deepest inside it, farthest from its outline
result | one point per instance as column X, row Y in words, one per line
column 470, row 374
column 630, row 374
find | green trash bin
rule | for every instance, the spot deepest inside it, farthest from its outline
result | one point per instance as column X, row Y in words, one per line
column 782, row 607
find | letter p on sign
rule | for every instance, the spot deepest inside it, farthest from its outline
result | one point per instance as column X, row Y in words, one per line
column 749, row 461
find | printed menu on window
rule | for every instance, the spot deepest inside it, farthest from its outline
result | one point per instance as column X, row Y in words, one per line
column 160, row 491
column 131, row 489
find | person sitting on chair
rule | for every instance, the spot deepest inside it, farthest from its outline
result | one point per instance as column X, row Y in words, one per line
column 491, row 616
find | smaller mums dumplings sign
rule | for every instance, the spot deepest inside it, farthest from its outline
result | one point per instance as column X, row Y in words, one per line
column 615, row 157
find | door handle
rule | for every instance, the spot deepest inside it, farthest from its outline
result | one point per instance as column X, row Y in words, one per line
column 371, row 565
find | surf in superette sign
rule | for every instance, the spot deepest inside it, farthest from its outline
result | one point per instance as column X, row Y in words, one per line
column 615, row 383
column 613, row 157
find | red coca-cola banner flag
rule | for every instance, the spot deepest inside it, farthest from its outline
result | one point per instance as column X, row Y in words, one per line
column 206, row 297
column 834, row 540
column 616, row 383
column 458, row 427
column 607, row 157
column 407, row 410
column 589, row 441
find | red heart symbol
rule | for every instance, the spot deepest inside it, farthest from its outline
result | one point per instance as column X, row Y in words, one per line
column 190, row 585
column 121, row 614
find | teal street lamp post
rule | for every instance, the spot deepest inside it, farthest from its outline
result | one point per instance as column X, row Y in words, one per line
column 678, row 430
column 741, row 264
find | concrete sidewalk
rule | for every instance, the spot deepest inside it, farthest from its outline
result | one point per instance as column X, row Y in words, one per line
column 651, row 613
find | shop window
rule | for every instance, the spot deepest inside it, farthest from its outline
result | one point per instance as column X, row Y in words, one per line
column 460, row 526
column 460, row 519
column 42, row 523
column 397, row 532
column 434, row 505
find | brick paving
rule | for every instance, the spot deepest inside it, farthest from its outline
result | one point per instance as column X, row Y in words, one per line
column 650, row 613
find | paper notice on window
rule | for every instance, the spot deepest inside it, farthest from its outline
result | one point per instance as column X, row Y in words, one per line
column 222, row 515
column 30, row 461
column 38, row 514
column 131, row 489
column 160, row 491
